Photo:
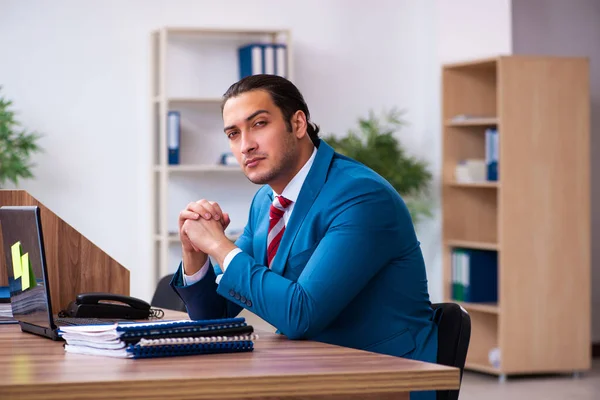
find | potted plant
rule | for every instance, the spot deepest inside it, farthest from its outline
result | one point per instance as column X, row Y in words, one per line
column 16, row 146
column 376, row 146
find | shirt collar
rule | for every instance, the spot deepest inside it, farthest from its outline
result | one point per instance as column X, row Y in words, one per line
column 292, row 190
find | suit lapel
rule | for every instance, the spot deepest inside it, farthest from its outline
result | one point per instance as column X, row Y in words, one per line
column 310, row 189
column 262, row 229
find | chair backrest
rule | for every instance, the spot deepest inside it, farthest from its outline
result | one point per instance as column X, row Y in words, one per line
column 165, row 296
column 454, row 334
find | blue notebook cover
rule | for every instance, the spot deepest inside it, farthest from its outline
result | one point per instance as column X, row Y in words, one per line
column 171, row 350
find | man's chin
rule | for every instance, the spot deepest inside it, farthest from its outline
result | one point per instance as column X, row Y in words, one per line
column 258, row 178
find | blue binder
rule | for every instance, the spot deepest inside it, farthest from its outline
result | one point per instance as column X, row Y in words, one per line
column 475, row 275
column 491, row 153
column 173, row 136
column 263, row 58
column 251, row 59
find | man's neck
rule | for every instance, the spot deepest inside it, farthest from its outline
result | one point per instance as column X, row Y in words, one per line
column 305, row 155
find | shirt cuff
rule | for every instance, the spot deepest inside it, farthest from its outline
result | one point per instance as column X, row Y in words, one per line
column 201, row 273
column 227, row 261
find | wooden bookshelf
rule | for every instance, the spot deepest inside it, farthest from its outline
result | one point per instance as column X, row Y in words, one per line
column 537, row 216
column 190, row 69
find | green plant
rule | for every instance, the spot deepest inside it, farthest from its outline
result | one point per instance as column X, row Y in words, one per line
column 16, row 146
column 376, row 146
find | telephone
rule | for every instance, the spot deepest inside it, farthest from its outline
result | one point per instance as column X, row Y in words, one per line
column 100, row 305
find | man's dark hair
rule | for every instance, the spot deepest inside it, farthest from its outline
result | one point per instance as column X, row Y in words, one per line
column 284, row 94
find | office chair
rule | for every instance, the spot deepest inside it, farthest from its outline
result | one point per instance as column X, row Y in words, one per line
column 454, row 334
column 165, row 296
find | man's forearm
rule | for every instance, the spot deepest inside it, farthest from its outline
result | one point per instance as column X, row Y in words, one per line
column 193, row 261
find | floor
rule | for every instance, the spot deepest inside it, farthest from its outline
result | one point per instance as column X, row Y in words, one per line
column 556, row 387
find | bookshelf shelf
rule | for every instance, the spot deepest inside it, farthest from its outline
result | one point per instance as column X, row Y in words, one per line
column 199, row 168
column 484, row 122
column 482, row 367
column 179, row 101
column 482, row 185
column 532, row 232
column 469, row 244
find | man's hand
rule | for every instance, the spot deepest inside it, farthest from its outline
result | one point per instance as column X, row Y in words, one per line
column 193, row 258
column 200, row 209
column 208, row 236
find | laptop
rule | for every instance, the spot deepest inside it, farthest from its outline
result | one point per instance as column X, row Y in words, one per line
column 25, row 261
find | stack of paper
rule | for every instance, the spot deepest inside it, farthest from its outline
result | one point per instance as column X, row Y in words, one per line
column 160, row 339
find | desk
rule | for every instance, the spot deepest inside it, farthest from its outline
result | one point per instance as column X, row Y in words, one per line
column 35, row 367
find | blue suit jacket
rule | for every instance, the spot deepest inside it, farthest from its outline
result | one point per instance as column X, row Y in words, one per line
column 349, row 270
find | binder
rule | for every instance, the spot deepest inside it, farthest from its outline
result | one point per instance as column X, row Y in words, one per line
column 263, row 58
column 475, row 275
column 173, row 136
column 269, row 59
column 160, row 339
column 491, row 153
column 251, row 59
column 281, row 60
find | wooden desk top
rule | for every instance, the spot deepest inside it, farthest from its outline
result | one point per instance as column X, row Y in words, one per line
column 36, row 367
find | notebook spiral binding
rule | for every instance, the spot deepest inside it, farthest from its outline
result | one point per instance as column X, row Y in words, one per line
column 196, row 340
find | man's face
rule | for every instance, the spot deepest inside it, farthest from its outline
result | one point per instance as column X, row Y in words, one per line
column 259, row 138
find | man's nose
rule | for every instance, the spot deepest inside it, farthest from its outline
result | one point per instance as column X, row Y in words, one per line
column 248, row 143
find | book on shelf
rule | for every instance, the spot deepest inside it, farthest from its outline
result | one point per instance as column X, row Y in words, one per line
column 263, row 58
column 474, row 275
column 491, row 153
column 471, row 117
column 160, row 339
column 471, row 171
column 173, row 136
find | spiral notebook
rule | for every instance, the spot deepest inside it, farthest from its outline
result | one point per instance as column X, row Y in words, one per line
column 160, row 339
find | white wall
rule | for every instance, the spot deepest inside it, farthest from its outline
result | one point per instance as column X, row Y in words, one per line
column 470, row 29
column 79, row 73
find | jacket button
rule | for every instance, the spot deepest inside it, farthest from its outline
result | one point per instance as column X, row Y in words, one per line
column 248, row 303
column 243, row 299
column 231, row 292
column 237, row 296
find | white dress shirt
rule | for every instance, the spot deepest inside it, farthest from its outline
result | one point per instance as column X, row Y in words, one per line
column 290, row 192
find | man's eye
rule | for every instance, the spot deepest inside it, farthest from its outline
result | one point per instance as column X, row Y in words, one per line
column 231, row 135
column 260, row 123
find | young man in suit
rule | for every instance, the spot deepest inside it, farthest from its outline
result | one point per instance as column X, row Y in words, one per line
column 329, row 252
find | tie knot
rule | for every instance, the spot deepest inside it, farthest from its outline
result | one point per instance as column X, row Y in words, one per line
column 278, row 207
column 281, row 203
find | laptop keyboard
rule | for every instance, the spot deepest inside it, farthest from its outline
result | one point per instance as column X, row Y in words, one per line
column 83, row 321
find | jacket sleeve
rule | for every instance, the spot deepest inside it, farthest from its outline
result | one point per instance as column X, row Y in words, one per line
column 354, row 248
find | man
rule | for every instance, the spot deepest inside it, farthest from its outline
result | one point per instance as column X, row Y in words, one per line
column 329, row 252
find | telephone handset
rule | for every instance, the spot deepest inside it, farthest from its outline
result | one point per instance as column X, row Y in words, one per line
column 102, row 305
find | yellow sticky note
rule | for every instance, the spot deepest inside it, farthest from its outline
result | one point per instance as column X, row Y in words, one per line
column 27, row 272
column 15, row 250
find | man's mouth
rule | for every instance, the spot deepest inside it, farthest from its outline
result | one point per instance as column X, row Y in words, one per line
column 253, row 162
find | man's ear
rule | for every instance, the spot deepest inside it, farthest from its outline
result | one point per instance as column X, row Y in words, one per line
column 299, row 124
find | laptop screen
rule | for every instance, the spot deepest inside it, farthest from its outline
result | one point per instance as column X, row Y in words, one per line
column 23, row 256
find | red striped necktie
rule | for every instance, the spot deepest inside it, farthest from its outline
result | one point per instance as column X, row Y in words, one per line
column 276, row 225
